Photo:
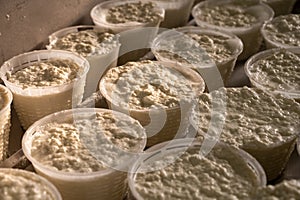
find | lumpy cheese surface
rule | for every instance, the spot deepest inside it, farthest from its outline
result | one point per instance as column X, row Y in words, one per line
column 284, row 29
column 286, row 190
column 250, row 117
column 87, row 145
column 196, row 47
column 87, row 42
column 227, row 16
column 222, row 174
column 278, row 71
column 17, row 186
column 143, row 12
column 52, row 72
column 147, row 84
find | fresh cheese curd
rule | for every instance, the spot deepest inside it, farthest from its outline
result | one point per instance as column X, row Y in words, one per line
column 286, row 190
column 67, row 146
column 85, row 152
column 143, row 12
column 198, row 48
column 179, row 173
column 44, row 82
column 242, row 18
column 228, row 15
column 153, row 93
column 148, row 84
column 52, row 72
column 86, row 42
column 276, row 71
column 98, row 46
column 282, row 31
column 19, row 184
column 5, row 120
column 253, row 120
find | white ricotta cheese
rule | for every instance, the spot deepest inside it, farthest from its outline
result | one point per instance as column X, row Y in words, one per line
column 228, row 15
column 278, row 70
column 147, row 84
column 90, row 144
column 222, row 174
column 253, row 118
column 52, row 72
column 179, row 48
column 86, row 43
column 284, row 30
column 16, row 184
column 286, row 190
column 142, row 12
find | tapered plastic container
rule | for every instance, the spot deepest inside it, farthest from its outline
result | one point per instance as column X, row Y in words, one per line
column 107, row 184
column 177, row 12
column 281, row 7
column 135, row 37
column 99, row 62
column 33, row 103
column 6, row 98
column 250, row 35
column 176, row 148
column 264, row 84
column 288, row 30
column 225, row 66
column 176, row 118
column 19, row 178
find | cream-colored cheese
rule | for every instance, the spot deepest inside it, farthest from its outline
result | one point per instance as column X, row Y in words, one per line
column 222, row 174
column 52, row 72
column 143, row 12
column 278, row 71
column 87, row 145
column 286, row 190
column 146, row 84
column 214, row 46
column 252, row 117
column 15, row 185
column 87, row 42
column 230, row 15
column 284, row 29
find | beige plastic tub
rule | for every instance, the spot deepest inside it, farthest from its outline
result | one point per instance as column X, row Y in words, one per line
column 33, row 103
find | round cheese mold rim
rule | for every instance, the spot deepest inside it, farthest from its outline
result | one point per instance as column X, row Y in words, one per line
column 271, row 43
column 71, row 93
column 61, row 117
column 290, row 94
column 174, row 123
column 36, row 178
column 274, row 157
column 177, row 12
column 250, row 36
column 158, row 151
column 99, row 11
column 225, row 67
column 99, row 63
column 108, row 183
column 5, row 118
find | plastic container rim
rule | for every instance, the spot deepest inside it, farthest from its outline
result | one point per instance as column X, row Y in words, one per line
column 85, row 65
column 183, row 144
column 68, row 175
